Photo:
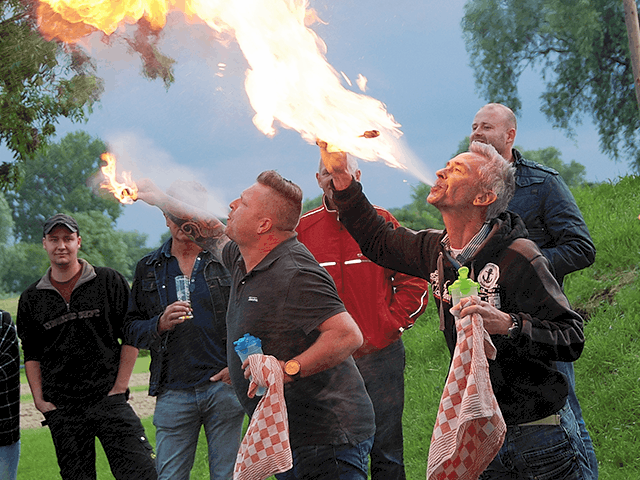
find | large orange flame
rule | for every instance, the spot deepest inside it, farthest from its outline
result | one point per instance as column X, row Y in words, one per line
column 288, row 80
column 126, row 192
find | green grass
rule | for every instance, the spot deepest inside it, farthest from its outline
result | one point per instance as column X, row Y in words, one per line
column 607, row 374
column 142, row 364
column 427, row 366
column 38, row 458
column 608, row 294
column 10, row 305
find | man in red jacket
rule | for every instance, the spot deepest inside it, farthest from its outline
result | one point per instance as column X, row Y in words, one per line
column 384, row 304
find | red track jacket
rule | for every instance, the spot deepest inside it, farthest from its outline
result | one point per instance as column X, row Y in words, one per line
column 383, row 303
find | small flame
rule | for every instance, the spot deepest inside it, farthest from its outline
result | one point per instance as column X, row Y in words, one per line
column 126, row 192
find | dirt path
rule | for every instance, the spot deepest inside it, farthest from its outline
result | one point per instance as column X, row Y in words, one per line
column 141, row 402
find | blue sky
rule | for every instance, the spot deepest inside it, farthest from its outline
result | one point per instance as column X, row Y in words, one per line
column 412, row 54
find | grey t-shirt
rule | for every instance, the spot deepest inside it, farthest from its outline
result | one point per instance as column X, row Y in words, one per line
column 282, row 301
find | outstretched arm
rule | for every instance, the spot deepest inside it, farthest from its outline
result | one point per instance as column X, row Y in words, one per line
column 201, row 226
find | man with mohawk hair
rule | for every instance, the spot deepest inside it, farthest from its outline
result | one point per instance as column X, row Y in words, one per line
column 281, row 295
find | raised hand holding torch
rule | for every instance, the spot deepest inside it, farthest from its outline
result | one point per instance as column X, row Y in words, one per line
column 336, row 164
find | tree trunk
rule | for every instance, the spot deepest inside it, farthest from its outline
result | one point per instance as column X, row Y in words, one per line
column 633, row 31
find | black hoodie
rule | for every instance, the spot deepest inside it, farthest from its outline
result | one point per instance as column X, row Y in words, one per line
column 512, row 270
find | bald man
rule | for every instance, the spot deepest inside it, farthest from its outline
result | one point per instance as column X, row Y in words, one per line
column 551, row 216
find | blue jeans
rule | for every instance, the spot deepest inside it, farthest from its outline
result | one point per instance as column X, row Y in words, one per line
column 330, row 462
column 541, row 452
column 119, row 430
column 566, row 368
column 9, row 457
column 383, row 375
column 178, row 417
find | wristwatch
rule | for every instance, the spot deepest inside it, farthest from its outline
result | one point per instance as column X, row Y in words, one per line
column 292, row 368
column 514, row 329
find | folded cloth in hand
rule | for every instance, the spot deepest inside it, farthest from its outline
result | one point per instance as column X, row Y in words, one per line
column 469, row 429
column 265, row 448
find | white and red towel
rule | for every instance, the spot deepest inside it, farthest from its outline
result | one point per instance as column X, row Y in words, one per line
column 469, row 429
column 265, row 448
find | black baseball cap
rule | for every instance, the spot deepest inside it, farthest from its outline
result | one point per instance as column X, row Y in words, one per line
column 60, row 219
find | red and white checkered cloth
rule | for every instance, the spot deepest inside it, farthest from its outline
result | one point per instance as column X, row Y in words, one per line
column 469, row 429
column 265, row 448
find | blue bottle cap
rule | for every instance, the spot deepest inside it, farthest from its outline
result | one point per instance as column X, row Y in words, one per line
column 245, row 342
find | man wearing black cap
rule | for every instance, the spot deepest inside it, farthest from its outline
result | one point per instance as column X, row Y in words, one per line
column 70, row 323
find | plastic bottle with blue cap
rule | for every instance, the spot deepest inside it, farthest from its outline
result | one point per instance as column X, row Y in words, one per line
column 249, row 345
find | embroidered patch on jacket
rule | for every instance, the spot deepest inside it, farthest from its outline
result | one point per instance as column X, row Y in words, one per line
column 434, row 280
column 489, row 288
column 253, row 299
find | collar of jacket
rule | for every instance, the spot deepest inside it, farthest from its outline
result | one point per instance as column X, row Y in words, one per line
column 88, row 273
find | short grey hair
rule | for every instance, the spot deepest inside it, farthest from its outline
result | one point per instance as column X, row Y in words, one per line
column 495, row 175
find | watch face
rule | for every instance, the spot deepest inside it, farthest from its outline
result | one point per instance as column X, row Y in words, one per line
column 292, row 367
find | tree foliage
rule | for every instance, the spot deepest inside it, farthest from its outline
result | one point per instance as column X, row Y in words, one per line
column 311, row 203
column 40, row 81
column 419, row 215
column 581, row 49
column 56, row 181
column 103, row 245
column 24, row 264
column 6, row 233
column 572, row 173
column 6, row 222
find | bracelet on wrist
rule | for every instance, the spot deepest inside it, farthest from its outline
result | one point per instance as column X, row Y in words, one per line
column 515, row 328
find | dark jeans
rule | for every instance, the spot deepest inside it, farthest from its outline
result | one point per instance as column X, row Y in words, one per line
column 119, row 430
column 541, row 452
column 383, row 375
column 567, row 369
column 330, row 462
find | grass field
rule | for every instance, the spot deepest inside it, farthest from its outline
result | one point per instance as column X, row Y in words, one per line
column 607, row 374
